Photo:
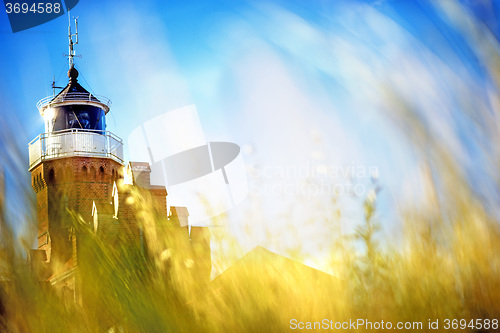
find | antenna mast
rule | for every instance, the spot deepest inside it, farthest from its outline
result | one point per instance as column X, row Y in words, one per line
column 54, row 86
column 71, row 54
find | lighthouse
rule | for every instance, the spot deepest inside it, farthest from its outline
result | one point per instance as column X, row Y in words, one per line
column 73, row 166
column 77, row 169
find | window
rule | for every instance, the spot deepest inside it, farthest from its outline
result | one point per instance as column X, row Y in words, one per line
column 80, row 117
column 101, row 173
column 92, row 173
column 69, row 174
column 84, row 173
column 79, row 120
column 52, row 176
column 115, row 200
column 95, row 216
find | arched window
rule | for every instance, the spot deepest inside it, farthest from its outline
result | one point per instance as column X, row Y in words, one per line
column 52, row 176
column 69, row 174
column 101, row 173
column 85, row 173
column 116, row 201
column 95, row 216
column 92, row 173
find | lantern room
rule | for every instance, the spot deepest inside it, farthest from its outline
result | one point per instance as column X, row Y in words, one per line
column 74, row 107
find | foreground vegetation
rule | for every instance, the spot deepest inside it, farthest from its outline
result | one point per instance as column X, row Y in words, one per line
column 448, row 268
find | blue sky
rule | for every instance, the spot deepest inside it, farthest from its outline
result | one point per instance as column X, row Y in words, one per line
column 297, row 84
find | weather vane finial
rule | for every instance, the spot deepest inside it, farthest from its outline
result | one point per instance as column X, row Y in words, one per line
column 71, row 54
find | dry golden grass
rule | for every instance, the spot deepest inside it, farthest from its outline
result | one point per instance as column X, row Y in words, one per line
column 446, row 269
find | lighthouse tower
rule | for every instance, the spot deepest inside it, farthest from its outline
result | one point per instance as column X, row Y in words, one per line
column 77, row 168
column 73, row 166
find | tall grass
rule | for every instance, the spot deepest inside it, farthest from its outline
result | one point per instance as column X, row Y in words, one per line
column 448, row 268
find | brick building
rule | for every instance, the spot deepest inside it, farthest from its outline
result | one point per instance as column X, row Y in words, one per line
column 77, row 171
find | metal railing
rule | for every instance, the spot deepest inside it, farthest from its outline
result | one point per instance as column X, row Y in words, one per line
column 73, row 97
column 75, row 142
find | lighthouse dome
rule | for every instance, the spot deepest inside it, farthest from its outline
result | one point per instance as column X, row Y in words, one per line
column 74, row 107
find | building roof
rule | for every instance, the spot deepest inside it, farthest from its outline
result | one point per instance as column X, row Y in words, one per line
column 179, row 214
column 74, row 93
column 263, row 267
column 261, row 256
column 258, row 283
column 74, row 87
column 178, row 211
column 139, row 174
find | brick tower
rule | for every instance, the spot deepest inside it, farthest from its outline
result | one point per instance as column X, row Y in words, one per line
column 73, row 165
column 77, row 169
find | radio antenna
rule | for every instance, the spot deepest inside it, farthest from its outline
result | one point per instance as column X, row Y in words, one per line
column 71, row 54
column 54, row 86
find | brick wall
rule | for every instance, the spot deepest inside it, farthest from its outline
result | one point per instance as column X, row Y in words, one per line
column 76, row 183
column 69, row 183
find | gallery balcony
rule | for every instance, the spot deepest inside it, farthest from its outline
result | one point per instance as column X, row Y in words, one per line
column 75, row 142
